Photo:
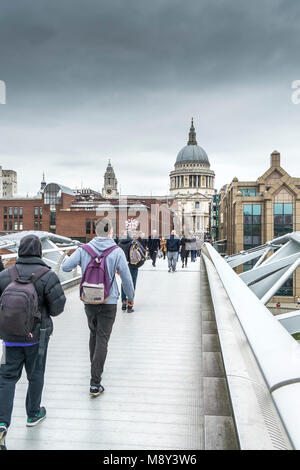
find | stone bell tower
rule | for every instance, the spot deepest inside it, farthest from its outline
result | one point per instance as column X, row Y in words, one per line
column 110, row 188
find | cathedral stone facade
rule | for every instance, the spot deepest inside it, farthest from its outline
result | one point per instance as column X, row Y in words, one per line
column 192, row 185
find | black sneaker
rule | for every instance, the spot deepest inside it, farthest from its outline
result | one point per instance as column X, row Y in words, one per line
column 34, row 420
column 96, row 391
column 124, row 305
column 3, row 432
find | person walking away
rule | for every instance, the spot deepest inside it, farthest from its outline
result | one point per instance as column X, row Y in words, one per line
column 193, row 247
column 153, row 247
column 184, row 252
column 31, row 290
column 172, row 246
column 163, row 244
column 104, row 252
column 143, row 240
column 136, row 256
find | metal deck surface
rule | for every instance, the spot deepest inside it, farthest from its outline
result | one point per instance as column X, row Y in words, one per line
column 155, row 379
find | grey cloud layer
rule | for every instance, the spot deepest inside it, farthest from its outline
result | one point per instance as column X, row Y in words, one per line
column 123, row 77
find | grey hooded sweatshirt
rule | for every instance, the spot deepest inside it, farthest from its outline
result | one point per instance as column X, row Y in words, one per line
column 116, row 260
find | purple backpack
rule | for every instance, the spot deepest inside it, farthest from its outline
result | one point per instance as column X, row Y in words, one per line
column 95, row 283
column 19, row 309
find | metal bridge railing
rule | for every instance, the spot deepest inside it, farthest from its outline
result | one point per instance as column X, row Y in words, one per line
column 275, row 350
column 53, row 257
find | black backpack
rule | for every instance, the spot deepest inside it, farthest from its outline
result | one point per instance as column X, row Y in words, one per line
column 19, row 309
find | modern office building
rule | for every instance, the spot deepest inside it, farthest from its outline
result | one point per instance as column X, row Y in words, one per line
column 253, row 212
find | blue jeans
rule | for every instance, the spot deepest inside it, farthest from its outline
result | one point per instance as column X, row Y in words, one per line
column 134, row 275
column 193, row 254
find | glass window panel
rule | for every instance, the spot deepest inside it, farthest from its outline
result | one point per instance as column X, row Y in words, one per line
column 248, row 229
column 247, row 209
column 247, row 241
column 278, row 208
column 256, row 240
column 256, row 229
column 256, row 219
column 278, row 219
column 288, row 208
column 247, row 220
column 256, row 209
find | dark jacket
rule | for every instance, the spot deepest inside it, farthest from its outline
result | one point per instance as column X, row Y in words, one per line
column 1, row 265
column 184, row 251
column 173, row 243
column 143, row 242
column 153, row 244
column 125, row 244
column 50, row 293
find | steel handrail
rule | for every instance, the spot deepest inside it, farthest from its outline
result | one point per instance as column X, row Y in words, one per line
column 275, row 350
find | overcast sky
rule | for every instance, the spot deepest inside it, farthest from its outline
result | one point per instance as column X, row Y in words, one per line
column 92, row 79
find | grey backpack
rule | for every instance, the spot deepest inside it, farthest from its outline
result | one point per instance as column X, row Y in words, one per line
column 19, row 309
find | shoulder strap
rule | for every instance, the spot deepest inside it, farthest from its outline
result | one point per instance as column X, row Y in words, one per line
column 39, row 274
column 14, row 273
column 89, row 250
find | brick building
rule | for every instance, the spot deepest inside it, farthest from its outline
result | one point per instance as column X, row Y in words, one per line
column 69, row 213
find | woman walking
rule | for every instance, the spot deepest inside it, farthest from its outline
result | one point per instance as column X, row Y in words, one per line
column 184, row 252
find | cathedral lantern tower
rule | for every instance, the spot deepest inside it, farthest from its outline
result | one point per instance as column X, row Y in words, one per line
column 110, row 188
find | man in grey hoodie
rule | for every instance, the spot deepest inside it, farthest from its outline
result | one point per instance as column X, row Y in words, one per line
column 102, row 317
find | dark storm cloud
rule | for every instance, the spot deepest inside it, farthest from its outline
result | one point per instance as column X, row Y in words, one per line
column 122, row 78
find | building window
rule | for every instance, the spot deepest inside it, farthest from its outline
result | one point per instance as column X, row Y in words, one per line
column 16, row 225
column 21, row 226
column 16, row 213
column 87, row 226
column 94, row 226
column 283, row 218
column 10, row 225
column 252, row 229
column 10, row 212
column 248, row 191
column 36, row 225
column 21, row 213
column 36, row 212
column 197, row 205
column 41, row 212
column 283, row 223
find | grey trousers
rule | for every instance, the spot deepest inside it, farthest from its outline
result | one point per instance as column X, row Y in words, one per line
column 172, row 259
column 101, row 319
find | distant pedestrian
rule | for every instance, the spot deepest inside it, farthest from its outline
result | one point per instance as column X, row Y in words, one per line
column 40, row 297
column 193, row 247
column 173, row 246
column 184, row 253
column 135, row 255
column 163, row 245
column 100, row 252
column 1, row 264
column 143, row 240
column 153, row 246
column 298, row 301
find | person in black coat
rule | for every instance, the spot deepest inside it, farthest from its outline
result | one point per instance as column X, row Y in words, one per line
column 153, row 246
column 30, row 352
column 184, row 253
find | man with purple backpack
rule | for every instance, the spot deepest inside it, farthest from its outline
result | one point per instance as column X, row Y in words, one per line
column 99, row 261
